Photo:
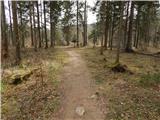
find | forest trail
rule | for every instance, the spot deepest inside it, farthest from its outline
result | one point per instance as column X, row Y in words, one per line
column 77, row 89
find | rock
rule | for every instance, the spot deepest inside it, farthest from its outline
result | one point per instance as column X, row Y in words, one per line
column 93, row 96
column 80, row 111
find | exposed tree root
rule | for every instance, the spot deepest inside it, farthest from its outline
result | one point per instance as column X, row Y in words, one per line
column 117, row 67
column 129, row 50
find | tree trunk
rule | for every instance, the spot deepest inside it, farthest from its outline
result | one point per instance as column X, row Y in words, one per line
column 45, row 28
column 51, row 23
column 42, row 23
column 77, row 26
column 34, row 30
column 4, row 34
column 120, row 33
column 15, row 26
column 106, row 33
column 38, row 20
column 137, row 28
column 22, row 27
column 31, row 28
column 106, row 26
column 126, row 25
column 85, row 24
column 10, row 19
column 129, row 41
column 101, row 45
column 112, row 32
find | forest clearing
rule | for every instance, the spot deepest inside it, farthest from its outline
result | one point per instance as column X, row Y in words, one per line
column 80, row 60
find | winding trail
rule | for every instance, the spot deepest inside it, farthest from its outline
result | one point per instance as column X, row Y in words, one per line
column 77, row 87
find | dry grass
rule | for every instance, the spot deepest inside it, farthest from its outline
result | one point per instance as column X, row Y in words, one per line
column 124, row 96
column 37, row 97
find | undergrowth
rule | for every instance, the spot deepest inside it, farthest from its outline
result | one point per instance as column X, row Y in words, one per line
column 150, row 79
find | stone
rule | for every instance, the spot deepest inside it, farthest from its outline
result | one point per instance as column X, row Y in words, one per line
column 93, row 96
column 80, row 111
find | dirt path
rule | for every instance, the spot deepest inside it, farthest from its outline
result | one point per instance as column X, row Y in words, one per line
column 77, row 88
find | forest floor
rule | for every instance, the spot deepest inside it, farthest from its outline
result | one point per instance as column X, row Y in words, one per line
column 37, row 96
column 77, row 84
column 131, row 95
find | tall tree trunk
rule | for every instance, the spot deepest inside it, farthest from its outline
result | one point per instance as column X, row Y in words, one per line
column 34, row 30
column 22, row 27
column 15, row 26
column 10, row 20
column 129, row 41
column 77, row 26
column 120, row 32
column 38, row 20
column 4, row 34
column 85, row 24
column 45, row 28
column 86, row 27
column 106, row 34
column 101, row 52
column 112, row 32
column 51, row 22
column 106, row 26
column 126, row 25
column 42, row 22
column 137, row 28
column 31, row 27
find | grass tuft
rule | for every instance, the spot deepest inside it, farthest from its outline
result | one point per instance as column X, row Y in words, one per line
column 150, row 79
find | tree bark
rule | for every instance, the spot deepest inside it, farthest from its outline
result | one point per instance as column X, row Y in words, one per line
column 85, row 24
column 120, row 32
column 15, row 26
column 10, row 19
column 4, row 34
column 45, row 28
column 38, row 20
column 31, row 27
column 126, row 25
column 106, row 26
column 77, row 26
column 34, row 30
column 129, row 41
column 21, row 28
column 51, row 23
column 137, row 28
column 42, row 23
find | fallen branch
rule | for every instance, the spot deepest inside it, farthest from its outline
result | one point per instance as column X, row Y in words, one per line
column 148, row 54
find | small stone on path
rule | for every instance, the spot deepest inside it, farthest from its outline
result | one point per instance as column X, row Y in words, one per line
column 93, row 96
column 80, row 111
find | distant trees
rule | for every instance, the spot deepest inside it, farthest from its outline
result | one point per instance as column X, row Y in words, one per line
column 138, row 23
column 139, row 28
column 67, row 20
column 126, row 25
column 55, row 12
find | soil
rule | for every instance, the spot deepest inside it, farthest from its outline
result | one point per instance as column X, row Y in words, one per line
column 77, row 88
